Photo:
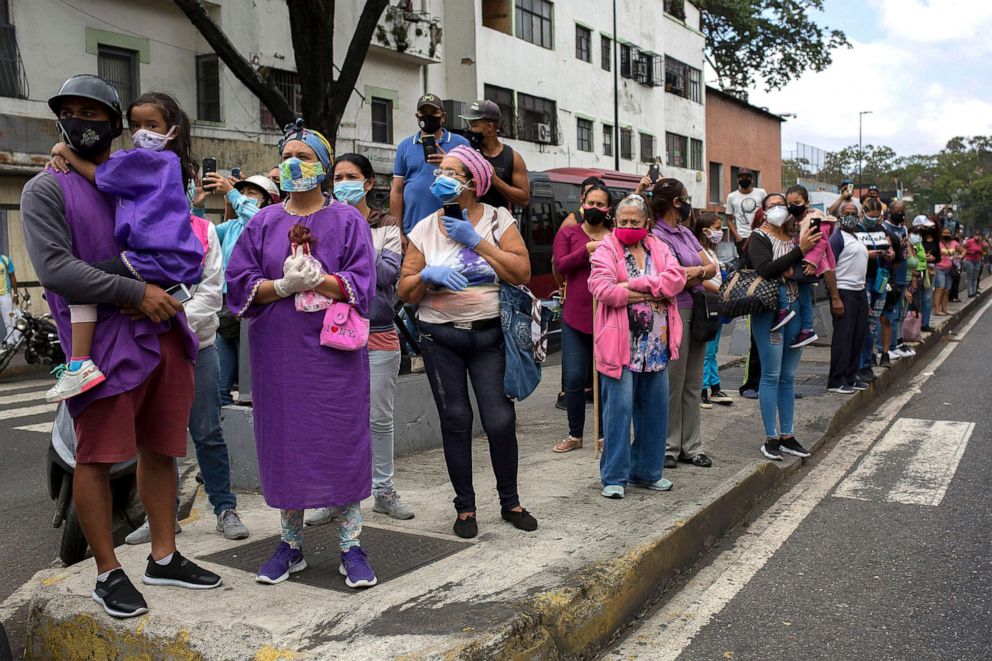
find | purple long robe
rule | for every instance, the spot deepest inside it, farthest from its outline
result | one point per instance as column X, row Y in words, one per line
column 152, row 215
column 311, row 403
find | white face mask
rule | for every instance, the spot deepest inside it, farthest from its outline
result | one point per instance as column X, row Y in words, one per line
column 777, row 216
column 145, row 139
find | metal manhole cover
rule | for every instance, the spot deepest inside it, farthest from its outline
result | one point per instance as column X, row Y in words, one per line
column 391, row 554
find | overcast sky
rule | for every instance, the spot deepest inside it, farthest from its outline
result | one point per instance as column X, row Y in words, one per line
column 924, row 67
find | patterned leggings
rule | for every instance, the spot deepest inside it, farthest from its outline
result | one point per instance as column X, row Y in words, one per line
column 348, row 518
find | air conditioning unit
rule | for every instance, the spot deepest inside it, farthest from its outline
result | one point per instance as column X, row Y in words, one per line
column 544, row 133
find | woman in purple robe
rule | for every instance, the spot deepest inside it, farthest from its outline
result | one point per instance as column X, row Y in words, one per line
column 311, row 402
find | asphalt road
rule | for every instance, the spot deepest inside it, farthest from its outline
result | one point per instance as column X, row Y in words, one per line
column 29, row 542
column 881, row 550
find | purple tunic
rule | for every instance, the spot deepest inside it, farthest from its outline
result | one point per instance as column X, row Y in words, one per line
column 126, row 351
column 152, row 215
column 311, row 403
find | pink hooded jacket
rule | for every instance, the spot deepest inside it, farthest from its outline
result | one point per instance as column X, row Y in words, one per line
column 611, row 327
column 821, row 256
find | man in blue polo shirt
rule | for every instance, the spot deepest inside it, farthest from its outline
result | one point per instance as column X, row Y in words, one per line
column 411, row 198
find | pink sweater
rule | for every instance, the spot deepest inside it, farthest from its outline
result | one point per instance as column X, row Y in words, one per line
column 821, row 256
column 611, row 327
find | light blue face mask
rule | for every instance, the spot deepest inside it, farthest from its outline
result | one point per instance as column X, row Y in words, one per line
column 350, row 192
column 446, row 188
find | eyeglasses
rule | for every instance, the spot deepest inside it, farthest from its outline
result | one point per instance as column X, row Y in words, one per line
column 448, row 173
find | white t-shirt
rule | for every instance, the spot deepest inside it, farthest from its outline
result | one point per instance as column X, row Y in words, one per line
column 478, row 301
column 718, row 278
column 743, row 207
column 852, row 263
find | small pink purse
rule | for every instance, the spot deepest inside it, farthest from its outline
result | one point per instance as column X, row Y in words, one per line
column 344, row 328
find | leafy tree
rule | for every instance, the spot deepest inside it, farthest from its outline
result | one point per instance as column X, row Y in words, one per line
column 775, row 40
column 877, row 166
column 323, row 97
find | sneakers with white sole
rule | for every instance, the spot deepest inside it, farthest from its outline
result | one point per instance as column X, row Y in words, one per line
column 230, row 525
column 390, row 504
column 143, row 534
column 70, row 383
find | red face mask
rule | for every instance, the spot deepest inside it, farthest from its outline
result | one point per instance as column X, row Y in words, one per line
column 630, row 235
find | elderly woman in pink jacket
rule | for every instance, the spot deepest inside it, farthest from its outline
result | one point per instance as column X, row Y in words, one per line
column 637, row 330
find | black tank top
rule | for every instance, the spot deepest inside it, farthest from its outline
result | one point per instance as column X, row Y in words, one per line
column 503, row 168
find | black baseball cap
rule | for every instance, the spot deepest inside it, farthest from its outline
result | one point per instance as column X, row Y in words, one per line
column 482, row 109
column 432, row 100
column 745, row 171
column 873, row 187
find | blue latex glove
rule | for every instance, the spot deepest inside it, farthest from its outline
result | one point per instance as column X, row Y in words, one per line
column 444, row 276
column 461, row 230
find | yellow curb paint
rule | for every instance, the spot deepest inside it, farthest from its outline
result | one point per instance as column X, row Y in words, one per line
column 85, row 637
column 269, row 653
column 53, row 580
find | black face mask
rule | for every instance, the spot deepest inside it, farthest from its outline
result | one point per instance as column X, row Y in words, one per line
column 593, row 215
column 797, row 210
column 897, row 217
column 685, row 211
column 474, row 139
column 744, row 183
column 86, row 137
column 430, row 123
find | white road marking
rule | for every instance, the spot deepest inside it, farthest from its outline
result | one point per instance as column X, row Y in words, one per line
column 22, row 385
column 22, row 397
column 941, row 445
column 26, row 411
column 670, row 630
column 42, row 427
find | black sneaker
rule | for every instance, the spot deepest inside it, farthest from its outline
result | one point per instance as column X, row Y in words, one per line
column 842, row 390
column 118, row 596
column 670, row 462
column 927, row 329
column 560, row 402
column 522, row 520
column 792, row 446
column 866, row 375
column 859, row 385
column 180, row 572
column 466, row 528
column 772, row 450
column 884, row 361
column 704, row 401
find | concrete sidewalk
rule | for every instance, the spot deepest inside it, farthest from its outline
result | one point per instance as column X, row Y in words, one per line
column 560, row 592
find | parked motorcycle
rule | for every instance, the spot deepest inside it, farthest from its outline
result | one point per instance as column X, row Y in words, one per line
column 128, row 513
column 36, row 335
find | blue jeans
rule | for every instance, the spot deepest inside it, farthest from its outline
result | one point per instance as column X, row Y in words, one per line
column 924, row 299
column 873, row 336
column 805, row 301
column 641, row 398
column 576, row 363
column 384, row 369
column 895, row 317
column 711, row 368
column 451, row 355
column 971, row 271
column 208, row 437
column 227, row 352
column 777, row 391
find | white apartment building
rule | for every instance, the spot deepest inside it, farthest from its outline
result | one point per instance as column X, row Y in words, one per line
column 548, row 63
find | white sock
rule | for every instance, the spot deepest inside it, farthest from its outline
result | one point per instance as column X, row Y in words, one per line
column 164, row 561
column 105, row 575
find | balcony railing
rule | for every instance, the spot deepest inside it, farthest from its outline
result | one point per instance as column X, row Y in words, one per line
column 413, row 35
column 12, row 79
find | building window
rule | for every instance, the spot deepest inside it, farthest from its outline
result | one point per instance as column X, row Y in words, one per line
column 583, row 43
column 676, row 145
column 624, row 61
column 696, row 154
column 676, row 8
column 538, row 118
column 382, row 120
column 208, row 88
column 507, row 109
column 647, row 148
column 12, row 80
column 584, row 133
column 607, row 140
column 119, row 67
column 647, row 69
column 534, row 22
column 496, row 15
column 716, row 183
column 683, row 80
column 288, row 84
column 606, row 53
column 626, row 144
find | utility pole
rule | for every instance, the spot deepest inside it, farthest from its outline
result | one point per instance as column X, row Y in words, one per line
column 616, row 91
column 861, row 151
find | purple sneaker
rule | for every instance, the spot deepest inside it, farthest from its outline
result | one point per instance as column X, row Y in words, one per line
column 284, row 562
column 805, row 337
column 782, row 318
column 356, row 569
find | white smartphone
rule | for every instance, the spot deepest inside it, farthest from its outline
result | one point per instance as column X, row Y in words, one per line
column 179, row 292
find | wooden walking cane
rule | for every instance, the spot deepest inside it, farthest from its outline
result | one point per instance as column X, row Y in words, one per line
column 598, row 443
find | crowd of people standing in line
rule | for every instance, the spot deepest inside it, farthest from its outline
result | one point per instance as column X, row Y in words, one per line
column 302, row 245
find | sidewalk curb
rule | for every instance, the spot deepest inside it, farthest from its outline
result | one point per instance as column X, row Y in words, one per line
column 581, row 617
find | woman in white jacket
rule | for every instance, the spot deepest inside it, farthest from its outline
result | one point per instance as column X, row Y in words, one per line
column 204, row 418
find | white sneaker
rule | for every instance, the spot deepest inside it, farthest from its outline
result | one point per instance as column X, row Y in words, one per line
column 909, row 351
column 71, row 383
column 318, row 517
column 896, row 355
column 143, row 534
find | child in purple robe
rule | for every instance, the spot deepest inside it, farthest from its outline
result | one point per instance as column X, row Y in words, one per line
column 152, row 220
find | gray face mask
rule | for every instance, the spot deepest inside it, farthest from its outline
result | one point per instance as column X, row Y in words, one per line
column 850, row 222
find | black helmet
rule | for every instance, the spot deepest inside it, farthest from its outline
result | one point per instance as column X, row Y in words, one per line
column 89, row 86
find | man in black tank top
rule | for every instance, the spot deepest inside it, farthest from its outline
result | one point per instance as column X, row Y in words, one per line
column 510, row 185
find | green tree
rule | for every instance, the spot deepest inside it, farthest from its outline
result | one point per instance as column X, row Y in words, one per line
column 775, row 40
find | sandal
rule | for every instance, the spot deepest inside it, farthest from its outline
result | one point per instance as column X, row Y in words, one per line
column 567, row 444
